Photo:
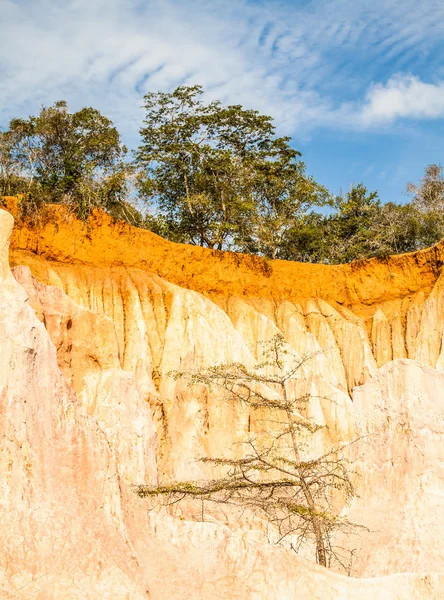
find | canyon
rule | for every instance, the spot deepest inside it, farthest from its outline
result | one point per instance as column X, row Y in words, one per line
column 94, row 316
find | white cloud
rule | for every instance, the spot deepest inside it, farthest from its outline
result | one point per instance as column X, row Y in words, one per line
column 305, row 66
column 109, row 53
column 403, row 97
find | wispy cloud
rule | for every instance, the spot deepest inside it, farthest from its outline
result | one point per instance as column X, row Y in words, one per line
column 331, row 63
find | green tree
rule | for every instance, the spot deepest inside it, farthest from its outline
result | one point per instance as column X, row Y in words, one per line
column 309, row 240
column 345, row 235
column 276, row 479
column 217, row 175
column 360, row 227
column 76, row 158
column 282, row 194
column 397, row 228
column 352, row 224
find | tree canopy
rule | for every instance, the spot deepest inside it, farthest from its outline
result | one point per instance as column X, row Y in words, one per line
column 210, row 174
column 360, row 226
column 76, row 158
column 218, row 175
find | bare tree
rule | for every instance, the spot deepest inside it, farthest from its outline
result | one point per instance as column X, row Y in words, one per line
column 276, row 479
column 11, row 181
column 428, row 195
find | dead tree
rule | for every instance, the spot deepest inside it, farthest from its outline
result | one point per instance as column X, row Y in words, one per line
column 294, row 494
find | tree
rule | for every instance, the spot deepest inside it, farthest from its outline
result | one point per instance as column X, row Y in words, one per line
column 310, row 240
column 352, row 224
column 282, row 195
column 397, row 228
column 10, row 180
column 76, row 158
column 360, row 227
column 428, row 201
column 277, row 479
column 428, row 195
column 345, row 235
column 217, row 175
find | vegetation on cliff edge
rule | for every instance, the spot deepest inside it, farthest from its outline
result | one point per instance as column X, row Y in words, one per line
column 209, row 174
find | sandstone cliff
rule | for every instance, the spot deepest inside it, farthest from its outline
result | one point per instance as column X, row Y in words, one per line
column 119, row 308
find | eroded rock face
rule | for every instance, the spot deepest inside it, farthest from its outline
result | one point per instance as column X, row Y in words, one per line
column 401, row 491
column 88, row 356
column 194, row 332
column 206, row 561
column 116, row 329
column 60, row 512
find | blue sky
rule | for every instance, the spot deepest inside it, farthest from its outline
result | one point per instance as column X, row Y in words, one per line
column 358, row 84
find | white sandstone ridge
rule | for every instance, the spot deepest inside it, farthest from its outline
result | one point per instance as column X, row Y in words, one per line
column 60, row 508
column 169, row 328
column 78, row 434
column 401, row 492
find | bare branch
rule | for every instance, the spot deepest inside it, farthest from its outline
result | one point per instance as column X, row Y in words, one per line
column 273, row 479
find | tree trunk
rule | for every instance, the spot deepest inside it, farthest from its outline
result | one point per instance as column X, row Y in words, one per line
column 187, row 189
column 321, row 553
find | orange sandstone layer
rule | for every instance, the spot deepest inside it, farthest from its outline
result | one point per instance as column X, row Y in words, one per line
column 103, row 243
column 364, row 314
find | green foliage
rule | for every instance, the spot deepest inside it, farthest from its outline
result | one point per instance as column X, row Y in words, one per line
column 343, row 236
column 212, row 175
column 282, row 195
column 351, row 227
column 74, row 158
column 428, row 202
column 362, row 227
column 218, row 175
